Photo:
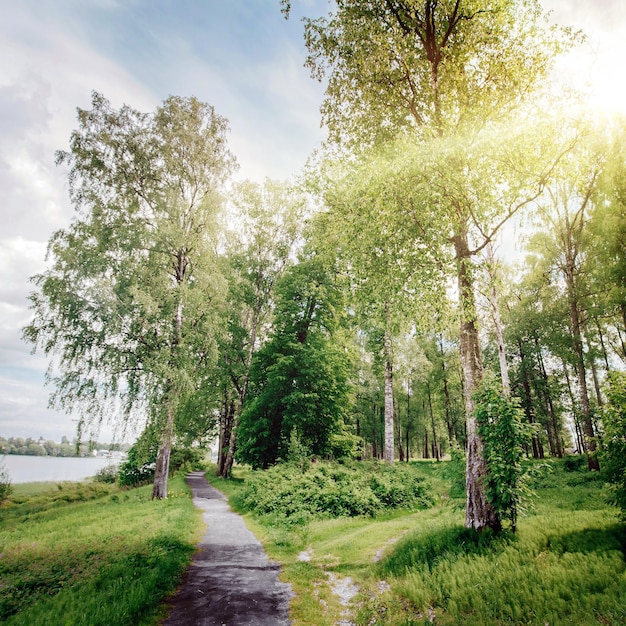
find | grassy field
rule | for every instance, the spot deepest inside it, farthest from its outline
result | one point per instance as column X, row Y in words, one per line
column 564, row 565
column 91, row 554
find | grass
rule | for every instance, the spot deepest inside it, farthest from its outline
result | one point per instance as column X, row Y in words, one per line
column 92, row 554
column 564, row 565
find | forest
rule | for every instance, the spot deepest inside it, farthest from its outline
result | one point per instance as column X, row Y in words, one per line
column 447, row 276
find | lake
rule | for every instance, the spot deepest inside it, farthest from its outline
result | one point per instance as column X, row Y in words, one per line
column 30, row 469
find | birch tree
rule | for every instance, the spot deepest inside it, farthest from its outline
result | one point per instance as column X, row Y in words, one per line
column 444, row 71
column 129, row 306
column 269, row 224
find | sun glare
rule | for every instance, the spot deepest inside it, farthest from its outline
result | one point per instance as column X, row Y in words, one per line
column 596, row 67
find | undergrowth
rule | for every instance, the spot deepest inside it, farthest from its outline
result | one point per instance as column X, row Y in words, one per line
column 565, row 565
column 287, row 494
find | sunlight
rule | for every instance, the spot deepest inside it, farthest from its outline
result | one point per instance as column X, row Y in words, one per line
column 596, row 67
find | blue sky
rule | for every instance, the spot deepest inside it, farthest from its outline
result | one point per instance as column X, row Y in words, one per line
column 241, row 56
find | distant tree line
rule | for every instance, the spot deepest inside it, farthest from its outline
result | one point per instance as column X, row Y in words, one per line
column 41, row 447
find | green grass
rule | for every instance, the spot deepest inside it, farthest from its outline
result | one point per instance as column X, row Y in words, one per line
column 92, row 554
column 564, row 565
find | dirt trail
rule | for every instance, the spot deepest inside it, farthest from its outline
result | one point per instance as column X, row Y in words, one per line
column 231, row 581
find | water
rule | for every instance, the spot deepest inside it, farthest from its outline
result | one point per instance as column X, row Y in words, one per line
column 29, row 469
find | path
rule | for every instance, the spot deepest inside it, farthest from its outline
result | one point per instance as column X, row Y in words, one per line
column 230, row 582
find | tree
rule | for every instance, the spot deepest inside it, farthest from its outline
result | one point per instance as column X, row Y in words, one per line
column 443, row 70
column 565, row 212
column 129, row 307
column 299, row 380
column 269, row 220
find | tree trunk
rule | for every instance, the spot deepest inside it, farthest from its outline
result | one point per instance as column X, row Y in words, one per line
column 226, row 428
column 432, row 423
column 558, row 449
column 446, row 394
column 162, row 469
column 605, row 356
column 399, row 438
column 572, row 398
column 388, row 357
column 497, row 320
column 594, row 369
column 241, row 393
column 528, row 403
column 479, row 513
column 585, row 407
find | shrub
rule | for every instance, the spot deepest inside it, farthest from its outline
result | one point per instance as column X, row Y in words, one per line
column 613, row 445
column 574, row 463
column 6, row 489
column 330, row 490
column 186, row 459
column 107, row 474
column 139, row 468
column 503, row 432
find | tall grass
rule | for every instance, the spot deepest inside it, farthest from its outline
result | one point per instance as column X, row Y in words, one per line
column 91, row 554
column 564, row 565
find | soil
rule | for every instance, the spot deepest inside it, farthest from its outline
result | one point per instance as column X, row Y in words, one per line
column 231, row 581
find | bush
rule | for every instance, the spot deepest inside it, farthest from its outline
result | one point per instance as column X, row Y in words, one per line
column 613, row 443
column 6, row 489
column 330, row 490
column 140, row 465
column 186, row 459
column 107, row 474
column 574, row 463
column 503, row 432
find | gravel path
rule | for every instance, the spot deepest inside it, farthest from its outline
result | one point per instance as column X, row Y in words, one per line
column 230, row 582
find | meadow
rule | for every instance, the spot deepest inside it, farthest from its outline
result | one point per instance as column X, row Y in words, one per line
column 91, row 554
column 360, row 544
column 565, row 564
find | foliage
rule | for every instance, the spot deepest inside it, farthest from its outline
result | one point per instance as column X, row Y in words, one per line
column 299, row 379
column 128, row 308
column 504, row 434
column 400, row 65
column 138, row 469
column 564, row 565
column 105, row 561
column 107, row 474
column 574, row 463
column 6, row 489
column 613, row 450
column 329, row 490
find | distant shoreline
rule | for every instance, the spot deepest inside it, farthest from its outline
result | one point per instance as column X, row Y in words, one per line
column 31, row 469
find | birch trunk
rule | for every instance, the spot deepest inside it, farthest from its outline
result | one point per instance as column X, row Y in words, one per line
column 388, row 357
column 162, row 469
column 478, row 512
column 497, row 320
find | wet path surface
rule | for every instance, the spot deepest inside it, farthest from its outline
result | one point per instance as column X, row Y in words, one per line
column 230, row 582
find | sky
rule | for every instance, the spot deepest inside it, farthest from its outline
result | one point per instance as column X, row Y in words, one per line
column 241, row 56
